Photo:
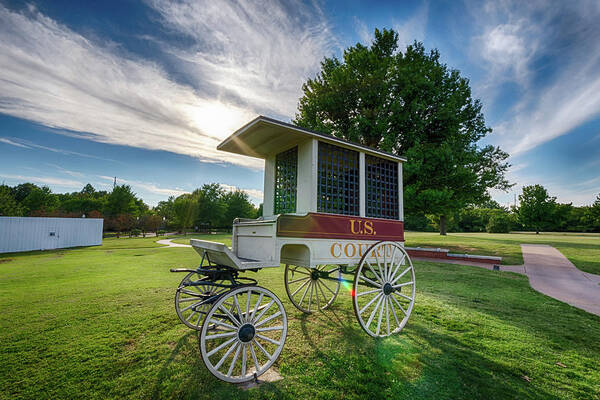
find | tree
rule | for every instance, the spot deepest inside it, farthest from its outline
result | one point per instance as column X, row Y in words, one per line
column 185, row 210
column 8, row 204
column 411, row 104
column 536, row 207
column 238, row 205
column 211, row 207
column 39, row 201
column 121, row 200
column 150, row 223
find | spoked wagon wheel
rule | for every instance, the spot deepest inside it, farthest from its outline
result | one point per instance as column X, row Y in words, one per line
column 190, row 301
column 312, row 289
column 384, row 289
column 247, row 340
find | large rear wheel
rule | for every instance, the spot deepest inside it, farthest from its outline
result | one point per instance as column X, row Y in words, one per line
column 384, row 289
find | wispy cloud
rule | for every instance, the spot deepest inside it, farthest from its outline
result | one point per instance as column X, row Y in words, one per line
column 255, row 194
column 56, row 77
column 26, row 144
column 255, row 54
column 145, row 186
column 518, row 42
column 43, row 180
column 413, row 28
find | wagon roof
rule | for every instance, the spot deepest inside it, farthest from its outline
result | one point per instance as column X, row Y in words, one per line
column 263, row 137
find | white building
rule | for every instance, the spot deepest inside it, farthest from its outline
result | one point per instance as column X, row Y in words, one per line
column 33, row 233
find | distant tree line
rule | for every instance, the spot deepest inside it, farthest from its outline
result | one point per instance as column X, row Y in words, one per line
column 537, row 211
column 209, row 207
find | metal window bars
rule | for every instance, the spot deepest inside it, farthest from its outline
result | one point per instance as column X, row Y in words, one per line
column 286, row 177
column 338, row 180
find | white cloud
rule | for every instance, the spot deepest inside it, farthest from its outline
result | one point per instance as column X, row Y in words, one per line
column 145, row 186
column 43, row 180
column 413, row 28
column 255, row 194
column 554, row 62
column 56, row 77
column 363, row 32
column 13, row 143
column 257, row 54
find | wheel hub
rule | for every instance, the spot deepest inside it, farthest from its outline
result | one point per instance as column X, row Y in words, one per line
column 388, row 289
column 246, row 333
column 314, row 275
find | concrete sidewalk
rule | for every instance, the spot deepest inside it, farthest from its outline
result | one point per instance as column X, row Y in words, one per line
column 169, row 243
column 551, row 273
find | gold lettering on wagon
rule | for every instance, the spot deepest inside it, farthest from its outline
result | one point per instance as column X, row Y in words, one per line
column 357, row 227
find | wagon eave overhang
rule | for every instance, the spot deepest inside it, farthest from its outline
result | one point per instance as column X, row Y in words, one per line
column 264, row 137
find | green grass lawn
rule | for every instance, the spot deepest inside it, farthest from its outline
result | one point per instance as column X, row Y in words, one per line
column 582, row 249
column 99, row 323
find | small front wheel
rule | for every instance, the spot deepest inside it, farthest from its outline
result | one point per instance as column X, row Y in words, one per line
column 384, row 289
column 192, row 302
column 240, row 342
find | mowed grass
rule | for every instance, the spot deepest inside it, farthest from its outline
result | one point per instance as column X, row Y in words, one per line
column 99, row 323
column 582, row 249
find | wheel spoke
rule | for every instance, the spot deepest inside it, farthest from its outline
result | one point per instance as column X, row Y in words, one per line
column 398, row 266
column 401, row 275
column 264, row 310
column 312, row 286
column 394, row 312
column 220, row 335
column 298, row 280
column 188, row 299
column 254, row 359
column 391, row 267
column 368, row 292
column 374, row 312
column 264, row 321
column 271, row 328
column 399, row 306
column 320, row 286
column 222, row 360
column 262, row 348
column 222, row 345
column 305, row 291
column 191, row 315
column 381, row 307
column 237, row 307
column 387, row 315
column 301, row 286
column 370, row 302
column 244, row 356
column 328, row 288
column 370, row 281
column 230, row 315
column 247, row 315
column 256, row 306
column 268, row 339
column 401, row 295
column 235, row 357
column 379, row 266
column 373, row 271
column 403, row 284
column 216, row 322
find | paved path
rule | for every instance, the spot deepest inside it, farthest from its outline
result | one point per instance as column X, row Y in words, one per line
column 551, row 273
column 169, row 243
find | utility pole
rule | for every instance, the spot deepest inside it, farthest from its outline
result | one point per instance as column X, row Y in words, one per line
column 115, row 183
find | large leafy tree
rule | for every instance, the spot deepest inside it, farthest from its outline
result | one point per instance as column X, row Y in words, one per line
column 211, row 207
column 409, row 103
column 536, row 208
column 238, row 205
column 121, row 200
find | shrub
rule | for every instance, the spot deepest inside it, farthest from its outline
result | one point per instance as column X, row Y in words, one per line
column 135, row 232
column 498, row 223
column 161, row 232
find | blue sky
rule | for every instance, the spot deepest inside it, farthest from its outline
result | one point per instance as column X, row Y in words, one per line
column 145, row 90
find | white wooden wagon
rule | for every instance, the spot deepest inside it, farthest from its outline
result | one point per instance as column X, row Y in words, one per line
column 331, row 208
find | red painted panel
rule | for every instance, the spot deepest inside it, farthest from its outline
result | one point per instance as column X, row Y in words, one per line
column 332, row 226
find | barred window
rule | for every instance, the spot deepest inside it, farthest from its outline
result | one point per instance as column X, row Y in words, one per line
column 338, row 180
column 286, row 173
column 381, row 187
